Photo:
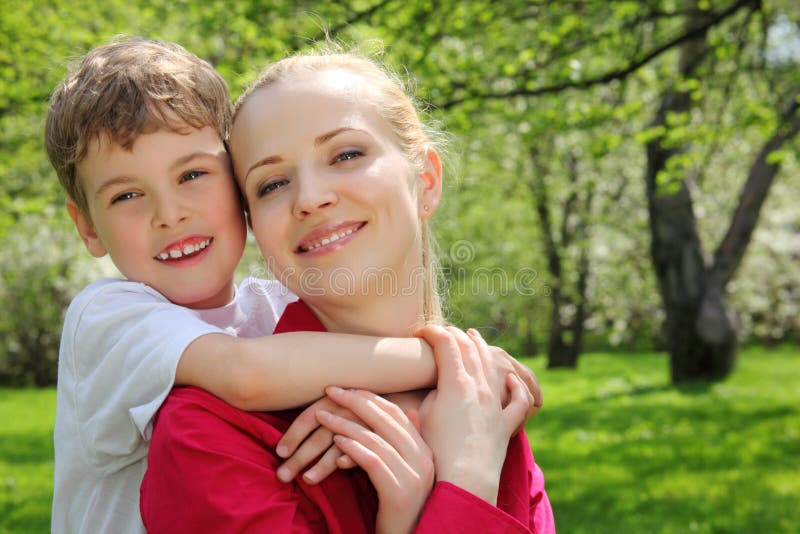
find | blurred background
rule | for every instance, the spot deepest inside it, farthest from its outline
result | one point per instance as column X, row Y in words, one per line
column 621, row 211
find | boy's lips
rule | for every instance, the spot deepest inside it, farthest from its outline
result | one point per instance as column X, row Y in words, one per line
column 328, row 234
column 184, row 248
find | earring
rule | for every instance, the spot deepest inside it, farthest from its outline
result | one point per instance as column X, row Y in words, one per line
column 425, row 208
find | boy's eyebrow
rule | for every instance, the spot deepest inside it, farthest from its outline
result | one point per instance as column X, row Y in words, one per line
column 180, row 162
column 119, row 180
column 319, row 140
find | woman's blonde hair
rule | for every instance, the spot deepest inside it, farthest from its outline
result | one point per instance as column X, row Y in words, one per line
column 393, row 103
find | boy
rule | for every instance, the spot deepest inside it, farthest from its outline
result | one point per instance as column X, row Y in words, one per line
column 136, row 137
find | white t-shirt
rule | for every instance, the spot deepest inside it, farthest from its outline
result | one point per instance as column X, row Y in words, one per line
column 120, row 348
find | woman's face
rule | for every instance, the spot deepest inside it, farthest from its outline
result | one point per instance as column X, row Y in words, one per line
column 330, row 193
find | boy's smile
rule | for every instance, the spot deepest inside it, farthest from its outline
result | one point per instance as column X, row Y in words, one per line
column 167, row 212
column 184, row 248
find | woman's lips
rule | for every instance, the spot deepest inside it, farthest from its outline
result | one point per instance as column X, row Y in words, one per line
column 326, row 236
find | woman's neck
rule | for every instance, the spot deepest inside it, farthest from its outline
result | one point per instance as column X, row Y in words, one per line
column 390, row 315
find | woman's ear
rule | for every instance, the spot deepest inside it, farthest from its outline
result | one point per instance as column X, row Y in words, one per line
column 431, row 193
column 86, row 230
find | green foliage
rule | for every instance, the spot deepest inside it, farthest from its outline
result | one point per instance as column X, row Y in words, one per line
column 499, row 76
column 43, row 267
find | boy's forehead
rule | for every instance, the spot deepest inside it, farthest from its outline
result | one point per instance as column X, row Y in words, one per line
column 105, row 152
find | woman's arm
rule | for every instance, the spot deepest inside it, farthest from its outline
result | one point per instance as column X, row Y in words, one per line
column 469, row 449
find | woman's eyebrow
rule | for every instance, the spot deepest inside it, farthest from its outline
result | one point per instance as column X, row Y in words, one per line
column 269, row 160
column 324, row 138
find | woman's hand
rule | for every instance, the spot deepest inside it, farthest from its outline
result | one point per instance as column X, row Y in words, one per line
column 463, row 420
column 391, row 451
column 305, row 440
column 504, row 364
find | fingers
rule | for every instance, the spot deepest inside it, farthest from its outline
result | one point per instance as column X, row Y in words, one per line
column 367, row 449
column 302, row 427
column 305, row 440
column 446, row 351
column 320, row 440
column 515, row 412
column 380, row 415
column 390, row 450
column 531, row 382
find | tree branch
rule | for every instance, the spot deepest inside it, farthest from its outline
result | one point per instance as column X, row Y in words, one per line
column 762, row 172
column 624, row 72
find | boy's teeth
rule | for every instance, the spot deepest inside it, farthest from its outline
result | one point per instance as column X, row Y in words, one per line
column 187, row 249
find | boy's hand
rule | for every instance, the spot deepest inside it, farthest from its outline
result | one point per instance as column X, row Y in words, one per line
column 306, row 439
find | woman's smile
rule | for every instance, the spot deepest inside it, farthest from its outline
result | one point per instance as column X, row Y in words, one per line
column 329, row 238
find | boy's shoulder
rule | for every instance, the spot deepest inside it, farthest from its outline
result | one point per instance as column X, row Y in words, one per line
column 110, row 287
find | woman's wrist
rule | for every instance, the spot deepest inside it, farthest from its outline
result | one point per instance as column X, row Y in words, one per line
column 480, row 482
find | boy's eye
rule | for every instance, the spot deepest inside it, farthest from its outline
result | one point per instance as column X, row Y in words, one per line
column 191, row 175
column 271, row 187
column 347, row 155
column 124, row 196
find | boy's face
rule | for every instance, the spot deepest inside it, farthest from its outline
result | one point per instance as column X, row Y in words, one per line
column 167, row 212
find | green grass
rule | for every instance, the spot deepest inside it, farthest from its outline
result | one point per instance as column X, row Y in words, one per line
column 26, row 459
column 622, row 450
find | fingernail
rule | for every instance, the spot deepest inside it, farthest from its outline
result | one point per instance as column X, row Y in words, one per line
column 335, row 390
column 310, row 476
column 284, row 475
column 282, row 451
column 473, row 332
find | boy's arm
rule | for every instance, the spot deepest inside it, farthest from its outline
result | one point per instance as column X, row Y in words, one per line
column 292, row 369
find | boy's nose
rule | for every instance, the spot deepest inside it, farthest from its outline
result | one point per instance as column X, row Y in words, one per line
column 169, row 213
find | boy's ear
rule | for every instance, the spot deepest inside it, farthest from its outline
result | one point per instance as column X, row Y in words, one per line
column 86, row 230
column 431, row 185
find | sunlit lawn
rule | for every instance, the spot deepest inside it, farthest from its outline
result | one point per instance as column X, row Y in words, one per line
column 622, row 450
column 26, row 459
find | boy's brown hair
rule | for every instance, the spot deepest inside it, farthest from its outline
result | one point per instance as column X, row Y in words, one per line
column 128, row 87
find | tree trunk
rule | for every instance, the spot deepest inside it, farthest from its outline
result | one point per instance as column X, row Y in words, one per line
column 700, row 328
column 565, row 335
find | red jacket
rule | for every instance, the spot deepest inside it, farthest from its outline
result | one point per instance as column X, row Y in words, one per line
column 212, row 468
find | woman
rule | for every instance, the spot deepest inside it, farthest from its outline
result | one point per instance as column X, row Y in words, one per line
column 340, row 180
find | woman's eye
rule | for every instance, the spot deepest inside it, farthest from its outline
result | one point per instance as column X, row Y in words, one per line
column 271, row 187
column 348, row 155
column 191, row 175
column 124, row 196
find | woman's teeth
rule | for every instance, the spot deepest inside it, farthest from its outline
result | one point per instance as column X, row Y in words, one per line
column 327, row 240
